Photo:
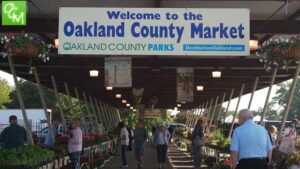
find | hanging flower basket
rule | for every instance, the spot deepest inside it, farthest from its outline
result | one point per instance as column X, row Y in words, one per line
column 23, row 45
column 280, row 52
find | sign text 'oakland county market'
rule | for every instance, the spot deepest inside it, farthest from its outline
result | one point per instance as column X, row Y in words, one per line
column 154, row 31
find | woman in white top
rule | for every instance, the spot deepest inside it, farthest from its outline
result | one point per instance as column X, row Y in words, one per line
column 124, row 139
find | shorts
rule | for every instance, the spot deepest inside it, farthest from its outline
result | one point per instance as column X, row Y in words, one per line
column 139, row 149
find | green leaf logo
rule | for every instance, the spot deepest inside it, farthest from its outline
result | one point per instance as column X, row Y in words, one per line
column 14, row 12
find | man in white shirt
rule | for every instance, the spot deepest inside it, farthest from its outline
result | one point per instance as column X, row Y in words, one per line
column 124, row 137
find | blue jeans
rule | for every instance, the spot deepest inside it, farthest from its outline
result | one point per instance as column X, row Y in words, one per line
column 75, row 159
column 161, row 153
column 197, row 156
column 124, row 154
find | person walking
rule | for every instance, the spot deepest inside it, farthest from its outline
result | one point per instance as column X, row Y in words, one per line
column 75, row 143
column 124, row 141
column 170, row 129
column 140, row 137
column 251, row 147
column 161, row 141
column 198, row 141
column 130, row 133
column 13, row 136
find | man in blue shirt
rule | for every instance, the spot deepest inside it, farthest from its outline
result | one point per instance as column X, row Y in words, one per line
column 251, row 147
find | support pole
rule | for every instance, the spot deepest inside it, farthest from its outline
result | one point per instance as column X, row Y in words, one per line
column 69, row 97
column 21, row 101
column 197, row 117
column 289, row 101
column 89, row 113
column 220, row 110
column 94, row 110
column 41, row 93
column 109, row 115
column 99, row 112
column 213, row 113
column 83, row 115
column 228, row 105
column 60, row 109
column 209, row 109
column 253, row 91
column 187, row 118
column 263, row 113
column 119, row 117
column 192, row 117
column 105, row 120
column 236, row 110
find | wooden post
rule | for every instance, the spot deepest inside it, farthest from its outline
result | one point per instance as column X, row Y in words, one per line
column 236, row 110
column 253, row 91
column 99, row 112
column 187, row 118
column 94, row 110
column 105, row 120
column 108, row 114
column 229, row 101
column 193, row 117
column 60, row 109
column 220, row 110
column 89, row 113
column 119, row 117
column 69, row 97
column 199, row 114
column 209, row 109
column 41, row 93
column 263, row 113
column 83, row 115
column 289, row 101
column 213, row 113
column 21, row 101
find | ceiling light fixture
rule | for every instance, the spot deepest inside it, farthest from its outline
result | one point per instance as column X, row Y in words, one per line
column 128, row 105
column 183, row 102
column 216, row 74
column 118, row 96
column 131, row 108
column 178, row 105
column 124, row 101
column 94, row 73
column 56, row 43
column 109, row 88
column 200, row 88
column 253, row 43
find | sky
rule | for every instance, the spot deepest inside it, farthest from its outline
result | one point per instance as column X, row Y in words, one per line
column 258, row 100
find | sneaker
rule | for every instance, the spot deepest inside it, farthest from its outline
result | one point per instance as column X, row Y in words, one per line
column 125, row 166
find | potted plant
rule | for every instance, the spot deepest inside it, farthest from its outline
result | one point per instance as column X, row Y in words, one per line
column 280, row 52
column 24, row 45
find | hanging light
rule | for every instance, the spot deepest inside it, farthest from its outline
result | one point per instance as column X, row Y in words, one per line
column 200, row 88
column 178, row 105
column 253, row 43
column 118, row 96
column 124, row 101
column 128, row 105
column 94, row 73
column 109, row 88
column 131, row 108
column 134, row 110
column 216, row 74
column 56, row 42
column 183, row 102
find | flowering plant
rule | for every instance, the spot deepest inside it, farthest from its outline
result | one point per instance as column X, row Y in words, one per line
column 24, row 45
column 279, row 52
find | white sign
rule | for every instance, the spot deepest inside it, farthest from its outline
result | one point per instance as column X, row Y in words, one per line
column 118, row 72
column 154, row 31
column 152, row 113
column 185, row 84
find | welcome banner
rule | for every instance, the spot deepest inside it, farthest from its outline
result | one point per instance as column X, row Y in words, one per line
column 154, row 31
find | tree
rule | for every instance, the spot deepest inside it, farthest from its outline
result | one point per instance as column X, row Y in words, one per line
column 282, row 97
column 5, row 89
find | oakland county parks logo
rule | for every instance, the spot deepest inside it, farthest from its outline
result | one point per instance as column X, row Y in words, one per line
column 14, row 12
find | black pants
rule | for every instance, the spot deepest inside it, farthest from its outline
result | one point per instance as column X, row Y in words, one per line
column 252, row 163
column 161, row 153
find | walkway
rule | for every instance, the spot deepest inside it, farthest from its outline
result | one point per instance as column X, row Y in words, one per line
column 177, row 160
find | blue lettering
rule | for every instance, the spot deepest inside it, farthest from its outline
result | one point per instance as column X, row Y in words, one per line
column 133, row 32
column 113, row 14
column 69, row 28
